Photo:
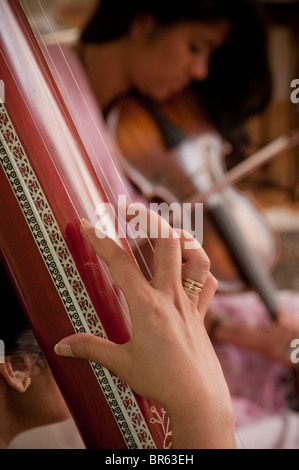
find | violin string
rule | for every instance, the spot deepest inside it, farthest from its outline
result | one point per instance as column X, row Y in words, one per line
column 98, row 131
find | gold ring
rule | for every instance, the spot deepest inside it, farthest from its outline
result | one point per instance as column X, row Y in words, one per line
column 192, row 286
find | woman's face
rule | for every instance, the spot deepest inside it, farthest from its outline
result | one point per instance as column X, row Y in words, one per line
column 165, row 60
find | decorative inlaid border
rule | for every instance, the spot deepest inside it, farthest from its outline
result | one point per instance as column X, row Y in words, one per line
column 61, row 266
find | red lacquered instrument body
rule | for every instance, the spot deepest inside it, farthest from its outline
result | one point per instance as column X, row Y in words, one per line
column 47, row 184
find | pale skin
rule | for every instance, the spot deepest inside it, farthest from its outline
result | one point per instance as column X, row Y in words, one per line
column 168, row 336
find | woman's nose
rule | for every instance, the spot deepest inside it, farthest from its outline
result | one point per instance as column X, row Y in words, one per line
column 200, row 68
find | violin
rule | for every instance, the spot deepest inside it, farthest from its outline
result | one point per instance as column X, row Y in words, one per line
column 172, row 152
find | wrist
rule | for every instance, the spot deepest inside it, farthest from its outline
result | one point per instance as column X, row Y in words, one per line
column 201, row 414
column 205, row 423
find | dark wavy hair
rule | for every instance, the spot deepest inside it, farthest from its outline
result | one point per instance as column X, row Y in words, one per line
column 15, row 330
column 239, row 83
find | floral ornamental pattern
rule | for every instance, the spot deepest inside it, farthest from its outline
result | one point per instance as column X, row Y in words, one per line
column 70, row 287
column 163, row 420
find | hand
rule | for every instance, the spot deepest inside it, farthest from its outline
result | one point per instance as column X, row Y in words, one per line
column 278, row 337
column 169, row 357
column 273, row 340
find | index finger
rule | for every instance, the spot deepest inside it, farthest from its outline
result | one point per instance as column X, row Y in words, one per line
column 167, row 246
column 123, row 268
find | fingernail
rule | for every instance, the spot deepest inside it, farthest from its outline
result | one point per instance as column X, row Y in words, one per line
column 63, row 349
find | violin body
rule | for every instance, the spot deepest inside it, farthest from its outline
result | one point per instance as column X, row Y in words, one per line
column 169, row 173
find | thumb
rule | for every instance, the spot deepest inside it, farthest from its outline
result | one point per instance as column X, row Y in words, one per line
column 93, row 348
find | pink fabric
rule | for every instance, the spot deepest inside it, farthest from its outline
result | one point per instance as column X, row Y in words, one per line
column 259, row 385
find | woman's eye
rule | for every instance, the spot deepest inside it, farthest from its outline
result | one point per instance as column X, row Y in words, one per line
column 195, row 48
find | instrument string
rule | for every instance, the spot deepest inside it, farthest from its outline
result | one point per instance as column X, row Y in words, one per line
column 47, row 149
column 24, row 2
column 103, row 266
column 104, row 270
column 98, row 131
